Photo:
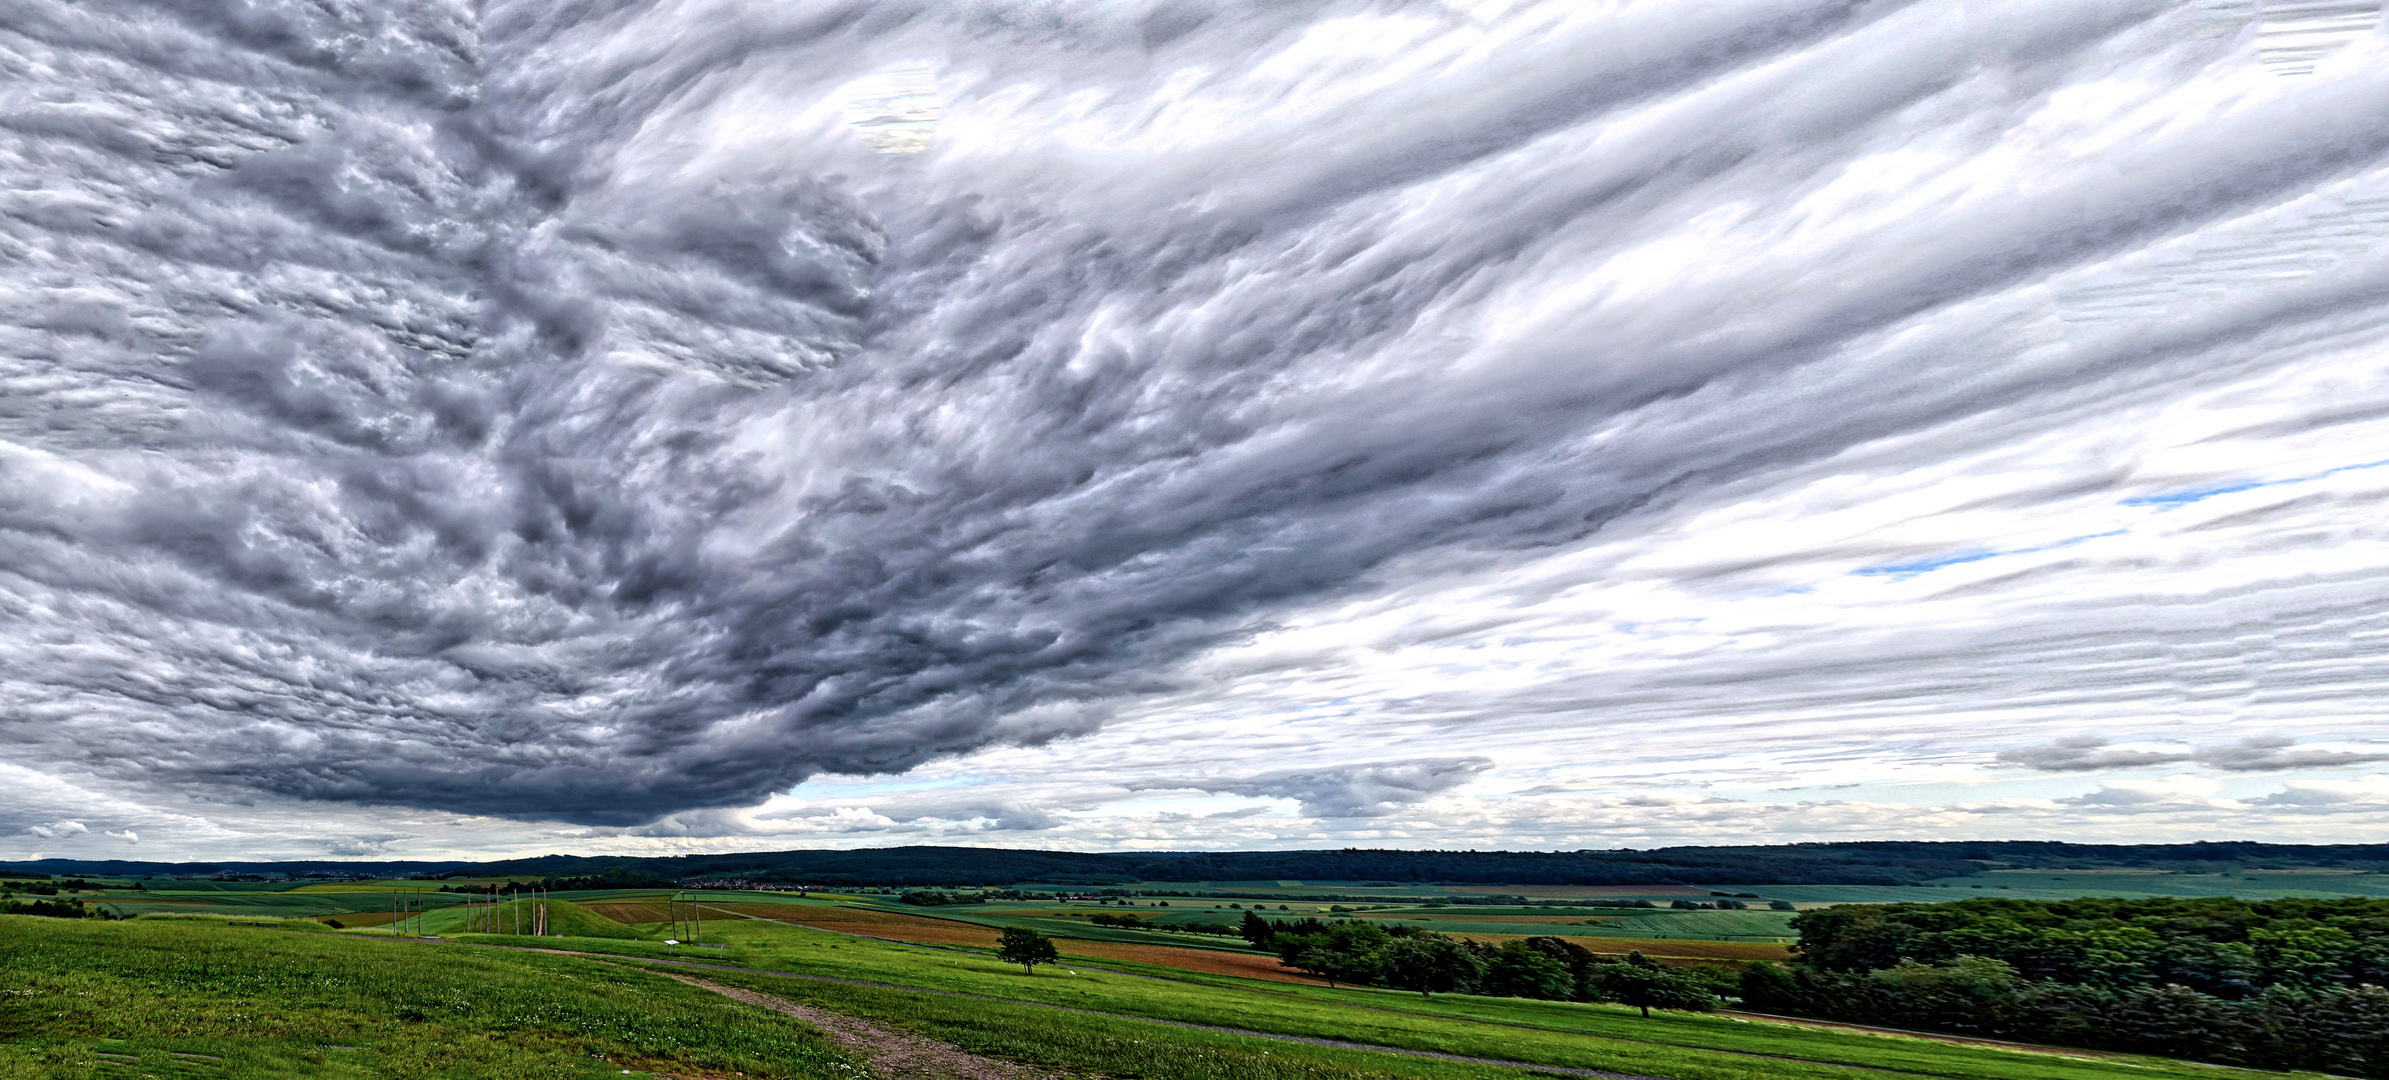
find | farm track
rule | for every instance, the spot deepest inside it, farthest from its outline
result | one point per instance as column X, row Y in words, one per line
column 1337, row 1044
column 894, row 1054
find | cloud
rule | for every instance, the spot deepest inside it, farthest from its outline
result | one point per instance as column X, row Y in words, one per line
column 2255, row 753
column 2364, row 794
column 359, row 846
column 557, row 413
column 2084, row 753
column 1349, row 791
column 2183, row 792
column 2268, row 753
column 57, row 830
column 127, row 835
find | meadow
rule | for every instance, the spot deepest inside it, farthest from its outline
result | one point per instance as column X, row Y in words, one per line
column 206, row 996
column 200, row 997
column 252, row 979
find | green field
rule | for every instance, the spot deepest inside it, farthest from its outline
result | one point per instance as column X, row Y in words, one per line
column 270, row 1003
column 186, row 998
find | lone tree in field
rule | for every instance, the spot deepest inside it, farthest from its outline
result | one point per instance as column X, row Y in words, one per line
column 1027, row 948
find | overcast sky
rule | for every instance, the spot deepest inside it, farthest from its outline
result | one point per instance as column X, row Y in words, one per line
column 479, row 427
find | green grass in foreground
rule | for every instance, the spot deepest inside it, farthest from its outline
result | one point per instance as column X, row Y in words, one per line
column 1613, row 1038
column 80, row 999
column 264, row 1003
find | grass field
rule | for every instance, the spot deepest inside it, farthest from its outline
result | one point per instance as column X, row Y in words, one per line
column 2247, row 885
column 194, row 996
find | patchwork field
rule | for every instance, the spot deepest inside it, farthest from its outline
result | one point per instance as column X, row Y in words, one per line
column 933, row 931
column 631, row 912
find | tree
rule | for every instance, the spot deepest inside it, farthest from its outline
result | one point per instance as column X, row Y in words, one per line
column 1520, row 970
column 1344, row 952
column 1027, row 948
column 1644, row 984
column 1430, row 963
column 1256, row 930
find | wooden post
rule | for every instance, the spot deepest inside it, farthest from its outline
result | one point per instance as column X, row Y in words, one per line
column 394, row 912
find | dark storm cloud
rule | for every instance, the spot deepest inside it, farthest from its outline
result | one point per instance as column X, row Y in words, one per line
column 463, row 406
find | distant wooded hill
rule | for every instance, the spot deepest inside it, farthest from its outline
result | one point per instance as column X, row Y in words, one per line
column 1853, row 863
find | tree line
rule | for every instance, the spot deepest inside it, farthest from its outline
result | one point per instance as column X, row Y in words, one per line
column 2275, row 984
column 1553, row 969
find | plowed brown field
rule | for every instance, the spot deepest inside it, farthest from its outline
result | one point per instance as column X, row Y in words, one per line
column 633, row 912
column 928, row 931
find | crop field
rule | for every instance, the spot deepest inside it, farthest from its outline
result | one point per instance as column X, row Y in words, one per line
column 930, row 931
column 1726, row 925
column 630, row 912
column 2247, row 885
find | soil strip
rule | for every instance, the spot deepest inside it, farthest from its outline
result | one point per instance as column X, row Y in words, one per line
column 1335, row 1044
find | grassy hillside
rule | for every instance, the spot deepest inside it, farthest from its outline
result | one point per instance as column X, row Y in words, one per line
column 178, row 997
column 1683, row 1046
column 252, row 1002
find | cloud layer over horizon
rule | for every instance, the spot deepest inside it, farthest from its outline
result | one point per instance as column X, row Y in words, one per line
column 437, row 426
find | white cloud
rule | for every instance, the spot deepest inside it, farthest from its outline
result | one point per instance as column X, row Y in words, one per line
column 2182, row 792
column 2362, row 795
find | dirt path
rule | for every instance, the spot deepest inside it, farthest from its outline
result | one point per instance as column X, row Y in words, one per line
column 1932, row 1036
column 651, row 964
column 894, row 1055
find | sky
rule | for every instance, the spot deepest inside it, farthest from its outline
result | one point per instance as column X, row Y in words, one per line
column 473, row 428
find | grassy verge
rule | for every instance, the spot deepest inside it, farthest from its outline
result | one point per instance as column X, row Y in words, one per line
column 167, row 998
